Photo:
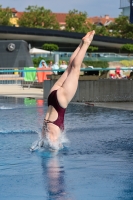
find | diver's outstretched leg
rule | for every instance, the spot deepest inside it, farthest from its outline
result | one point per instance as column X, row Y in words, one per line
column 69, row 87
column 63, row 77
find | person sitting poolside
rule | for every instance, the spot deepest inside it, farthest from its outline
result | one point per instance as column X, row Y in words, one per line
column 118, row 73
column 50, row 64
column 63, row 65
column 56, row 67
column 42, row 64
column 112, row 76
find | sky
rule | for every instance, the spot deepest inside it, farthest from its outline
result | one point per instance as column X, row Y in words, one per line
column 92, row 7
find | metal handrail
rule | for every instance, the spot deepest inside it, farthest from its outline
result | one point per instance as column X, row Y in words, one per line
column 61, row 70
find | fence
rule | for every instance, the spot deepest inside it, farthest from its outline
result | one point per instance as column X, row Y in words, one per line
column 108, row 57
column 9, row 77
column 24, row 77
column 29, row 76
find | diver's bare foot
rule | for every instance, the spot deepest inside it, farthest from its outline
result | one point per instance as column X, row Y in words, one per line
column 88, row 37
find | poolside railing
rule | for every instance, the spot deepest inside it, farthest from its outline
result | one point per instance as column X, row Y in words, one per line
column 8, row 71
column 20, row 76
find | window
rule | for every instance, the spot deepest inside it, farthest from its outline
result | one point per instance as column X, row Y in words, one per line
column 13, row 15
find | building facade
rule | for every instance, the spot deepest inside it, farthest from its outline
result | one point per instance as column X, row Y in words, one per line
column 125, row 6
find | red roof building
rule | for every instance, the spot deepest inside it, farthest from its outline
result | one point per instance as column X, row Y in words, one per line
column 61, row 18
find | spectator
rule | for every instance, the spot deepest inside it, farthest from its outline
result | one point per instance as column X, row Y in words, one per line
column 118, row 73
column 50, row 63
column 43, row 64
column 55, row 66
column 63, row 65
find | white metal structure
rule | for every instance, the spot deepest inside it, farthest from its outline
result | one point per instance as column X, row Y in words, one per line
column 125, row 6
column 38, row 51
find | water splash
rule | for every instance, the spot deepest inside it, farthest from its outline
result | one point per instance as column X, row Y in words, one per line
column 5, row 108
column 43, row 144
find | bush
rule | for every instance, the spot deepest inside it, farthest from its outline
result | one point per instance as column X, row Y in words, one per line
column 127, row 47
column 50, row 47
column 127, row 63
column 99, row 64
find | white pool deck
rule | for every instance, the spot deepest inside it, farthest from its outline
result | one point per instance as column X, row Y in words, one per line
column 20, row 92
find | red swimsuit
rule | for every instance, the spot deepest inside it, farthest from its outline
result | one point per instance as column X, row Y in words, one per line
column 53, row 101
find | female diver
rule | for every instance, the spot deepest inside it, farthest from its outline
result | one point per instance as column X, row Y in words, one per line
column 62, row 93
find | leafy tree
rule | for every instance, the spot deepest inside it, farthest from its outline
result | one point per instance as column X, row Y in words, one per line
column 121, row 27
column 127, row 47
column 102, row 31
column 92, row 48
column 5, row 15
column 38, row 17
column 50, row 47
column 77, row 21
column 103, row 64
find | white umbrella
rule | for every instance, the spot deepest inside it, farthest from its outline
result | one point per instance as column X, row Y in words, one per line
column 38, row 51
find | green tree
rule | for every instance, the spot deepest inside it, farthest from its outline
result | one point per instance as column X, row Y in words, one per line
column 121, row 27
column 5, row 15
column 127, row 47
column 77, row 21
column 102, row 30
column 92, row 48
column 50, row 47
column 38, row 17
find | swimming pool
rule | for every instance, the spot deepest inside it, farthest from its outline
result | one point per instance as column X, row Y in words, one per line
column 96, row 164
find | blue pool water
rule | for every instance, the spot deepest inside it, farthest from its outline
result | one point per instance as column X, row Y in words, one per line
column 96, row 164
